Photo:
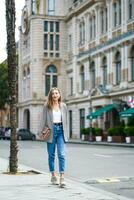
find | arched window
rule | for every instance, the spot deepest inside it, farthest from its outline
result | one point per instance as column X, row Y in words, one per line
column 92, row 72
column 50, row 78
column 82, row 78
column 104, row 68
column 118, row 67
column 132, row 63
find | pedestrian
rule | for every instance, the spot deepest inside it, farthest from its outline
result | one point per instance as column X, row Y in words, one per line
column 55, row 117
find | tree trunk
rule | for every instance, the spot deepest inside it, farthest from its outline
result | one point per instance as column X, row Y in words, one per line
column 11, row 61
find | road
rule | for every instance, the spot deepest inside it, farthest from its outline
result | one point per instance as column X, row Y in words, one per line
column 107, row 167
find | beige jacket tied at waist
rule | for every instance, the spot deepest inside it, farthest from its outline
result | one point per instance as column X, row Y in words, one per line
column 47, row 120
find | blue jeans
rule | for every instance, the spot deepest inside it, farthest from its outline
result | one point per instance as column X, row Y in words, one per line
column 58, row 140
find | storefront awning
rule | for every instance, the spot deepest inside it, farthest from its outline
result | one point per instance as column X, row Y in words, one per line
column 127, row 113
column 100, row 111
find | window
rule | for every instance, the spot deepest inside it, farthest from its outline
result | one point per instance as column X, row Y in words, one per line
column 80, row 27
column 104, row 68
column 102, row 21
column 51, row 42
column 82, row 32
column 82, row 78
column 46, row 26
column 82, row 120
column 51, row 26
column 33, row 6
column 71, row 86
column 132, row 63
column 119, row 12
column 50, row 78
column 92, row 72
column 51, row 7
column 115, row 14
column 70, row 123
column 51, row 38
column 57, row 42
column 57, row 27
column 130, row 8
column 118, row 68
column 106, row 19
column 94, row 26
column 24, row 84
column 90, row 25
column 28, row 82
column 70, row 43
column 45, row 41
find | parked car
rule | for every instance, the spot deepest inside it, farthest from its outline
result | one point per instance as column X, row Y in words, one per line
column 25, row 134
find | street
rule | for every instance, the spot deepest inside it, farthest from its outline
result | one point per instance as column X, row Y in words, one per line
column 106, row 167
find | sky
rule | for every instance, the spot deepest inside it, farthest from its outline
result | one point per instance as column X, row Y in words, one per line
column 3, row 37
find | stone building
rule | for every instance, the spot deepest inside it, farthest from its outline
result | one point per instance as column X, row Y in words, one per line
column 86, row 48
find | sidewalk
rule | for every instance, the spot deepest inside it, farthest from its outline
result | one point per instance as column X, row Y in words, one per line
column 37, row 186
column 78, row 141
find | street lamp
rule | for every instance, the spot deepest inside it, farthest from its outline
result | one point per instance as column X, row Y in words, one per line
column 91, row 92
column 102, row 89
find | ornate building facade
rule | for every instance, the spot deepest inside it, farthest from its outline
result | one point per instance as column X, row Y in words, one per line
column 86, row 48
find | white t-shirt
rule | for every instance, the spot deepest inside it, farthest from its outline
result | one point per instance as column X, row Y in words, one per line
column 56, row 116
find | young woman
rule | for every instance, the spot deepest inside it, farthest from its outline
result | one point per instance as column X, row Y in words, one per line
column 55, row 117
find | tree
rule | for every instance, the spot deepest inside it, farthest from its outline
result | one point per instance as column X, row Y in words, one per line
column 12, row 74
column 4, row 92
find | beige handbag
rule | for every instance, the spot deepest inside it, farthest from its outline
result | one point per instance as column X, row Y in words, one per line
column 45, row 134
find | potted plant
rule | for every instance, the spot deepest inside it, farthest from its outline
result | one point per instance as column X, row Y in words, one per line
column 85, row 133
column 110, row 134
column 98, row 134
column 129, row 133
column 117, row 134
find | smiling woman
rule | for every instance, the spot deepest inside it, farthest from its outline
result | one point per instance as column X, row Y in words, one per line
column 19, row 5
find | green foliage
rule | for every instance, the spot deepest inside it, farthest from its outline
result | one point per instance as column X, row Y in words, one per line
column 98, row 131
column 117, row 131
column 129, row 131
column 86, row 131
column 130, row 121
column 110, row 131
column 4, row 91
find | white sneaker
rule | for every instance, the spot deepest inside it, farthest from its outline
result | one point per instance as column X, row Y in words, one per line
column 62, row 182
column 54, row 180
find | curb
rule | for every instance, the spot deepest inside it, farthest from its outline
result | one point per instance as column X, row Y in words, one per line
column 101, row 143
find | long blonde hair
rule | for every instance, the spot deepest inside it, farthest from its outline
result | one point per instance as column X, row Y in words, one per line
column 50, row 100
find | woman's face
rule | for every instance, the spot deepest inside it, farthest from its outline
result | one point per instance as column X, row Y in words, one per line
column 55, row 95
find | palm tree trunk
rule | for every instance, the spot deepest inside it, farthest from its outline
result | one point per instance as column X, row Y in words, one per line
column 11, row 61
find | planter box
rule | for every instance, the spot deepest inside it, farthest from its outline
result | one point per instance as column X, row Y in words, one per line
column 118, row 139
column 109, row 138
column 130, row 139
column 98, row 138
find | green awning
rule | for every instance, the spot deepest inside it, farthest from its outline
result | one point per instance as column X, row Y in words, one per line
column 127, row 113
column 100, row 111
